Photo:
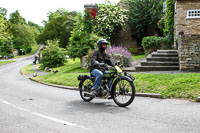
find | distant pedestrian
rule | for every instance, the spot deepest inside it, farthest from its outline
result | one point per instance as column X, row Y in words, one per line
column 36, row 59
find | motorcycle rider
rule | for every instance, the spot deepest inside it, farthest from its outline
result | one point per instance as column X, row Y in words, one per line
column 99, row 59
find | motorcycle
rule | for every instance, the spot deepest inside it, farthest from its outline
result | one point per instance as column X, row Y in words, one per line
column 116, row 84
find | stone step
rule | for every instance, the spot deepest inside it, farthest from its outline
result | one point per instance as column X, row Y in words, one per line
column 156, row 68
column 167, row 51
column 162, row 59
column 152, row 63
column 155, row 54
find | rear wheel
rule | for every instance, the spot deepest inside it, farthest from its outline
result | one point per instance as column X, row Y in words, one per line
column 123, row 92
column 85, row 87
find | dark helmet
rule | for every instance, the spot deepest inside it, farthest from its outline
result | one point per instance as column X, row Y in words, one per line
column 100, row 41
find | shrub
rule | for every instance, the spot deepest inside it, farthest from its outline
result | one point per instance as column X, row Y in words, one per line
column 153, row 42
column 110, row 19
column 52, row 54
column 143, row 15
column 127, row 57
column 132, row 50
column 81, row 41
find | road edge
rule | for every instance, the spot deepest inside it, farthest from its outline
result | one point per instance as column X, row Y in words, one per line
column 151, row 95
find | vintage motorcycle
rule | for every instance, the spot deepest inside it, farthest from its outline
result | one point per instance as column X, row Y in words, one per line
column 116, row 84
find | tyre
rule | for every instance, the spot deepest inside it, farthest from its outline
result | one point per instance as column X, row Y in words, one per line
column 123, row 92
column 85, row 87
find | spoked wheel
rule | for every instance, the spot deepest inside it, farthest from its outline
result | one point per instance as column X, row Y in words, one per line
column 85, row 87
column 124, row 92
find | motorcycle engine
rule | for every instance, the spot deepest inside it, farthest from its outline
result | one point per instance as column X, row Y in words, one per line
column 104, row 91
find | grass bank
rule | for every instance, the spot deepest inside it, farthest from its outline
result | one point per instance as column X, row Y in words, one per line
column 6, row 62
column 181, row 85
column 27, row 69
column 185, row 86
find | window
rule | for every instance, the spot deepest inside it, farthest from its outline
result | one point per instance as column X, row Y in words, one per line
column 193, row 13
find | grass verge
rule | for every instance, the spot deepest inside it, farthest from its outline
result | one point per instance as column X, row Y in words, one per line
column 186, row 85
column 182, row 85
column 6, row 62
column 27, row 69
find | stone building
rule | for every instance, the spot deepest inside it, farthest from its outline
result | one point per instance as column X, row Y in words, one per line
column 187, row 33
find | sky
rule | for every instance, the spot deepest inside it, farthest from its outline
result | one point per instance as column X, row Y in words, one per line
column 36, row 10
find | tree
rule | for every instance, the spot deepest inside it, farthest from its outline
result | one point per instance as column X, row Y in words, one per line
column 36, row 26
column 16, row 18
column 143, row 15
column 59, row 27
column 110, row 19
column 6, row 44
column 52, row 54
column 3, row 12
column 23, row 37
column 81, row 40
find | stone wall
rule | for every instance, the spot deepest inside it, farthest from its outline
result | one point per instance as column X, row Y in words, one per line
column 189, row 52
column 183, row 25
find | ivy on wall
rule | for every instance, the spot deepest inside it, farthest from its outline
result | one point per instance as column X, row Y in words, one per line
column 169, row 21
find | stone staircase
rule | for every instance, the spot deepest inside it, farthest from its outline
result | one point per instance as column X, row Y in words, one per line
column 162, row 60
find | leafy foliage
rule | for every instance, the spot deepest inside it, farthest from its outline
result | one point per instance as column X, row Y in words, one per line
column 23, row 37
column 153, row 42
column 6, row 43
column 169, row 21
column 81, row 40
column 3, row 12
column 52, row 55
column 110, row 19
column 59, row 27
column 143, row 15
column 16, row 18
column 16, row 33
column 35, row 26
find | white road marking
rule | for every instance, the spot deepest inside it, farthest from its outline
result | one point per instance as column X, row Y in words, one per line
column 44, row 116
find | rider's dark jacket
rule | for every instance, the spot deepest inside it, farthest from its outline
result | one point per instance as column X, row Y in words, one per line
column 98, row 57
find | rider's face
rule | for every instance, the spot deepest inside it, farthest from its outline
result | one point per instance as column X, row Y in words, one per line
column 104, row 45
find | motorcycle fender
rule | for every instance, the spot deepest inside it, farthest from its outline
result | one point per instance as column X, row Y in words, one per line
column 116, row 80
column 129, row 79
column 82, row 78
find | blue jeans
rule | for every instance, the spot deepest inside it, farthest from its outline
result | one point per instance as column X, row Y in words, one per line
column 99, row 75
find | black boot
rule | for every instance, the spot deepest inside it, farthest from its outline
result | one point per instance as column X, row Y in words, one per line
column 110, row 97
column 93, row 93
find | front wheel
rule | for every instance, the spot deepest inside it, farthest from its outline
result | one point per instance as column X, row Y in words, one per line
column 123, row 92
column 85, row 87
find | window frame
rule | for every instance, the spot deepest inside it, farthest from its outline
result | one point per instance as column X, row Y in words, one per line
column 191, row 14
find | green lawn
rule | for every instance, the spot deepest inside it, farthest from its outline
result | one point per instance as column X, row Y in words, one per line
column 72, row 66
column 136, row 57
column 185, row 85
column 182, row 85
column 27, row 69
column 6, row 62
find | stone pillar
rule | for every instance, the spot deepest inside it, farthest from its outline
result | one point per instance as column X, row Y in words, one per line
column 189, row 52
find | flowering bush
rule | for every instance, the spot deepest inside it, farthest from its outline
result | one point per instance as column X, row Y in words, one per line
column 127, row 57
column 110, row 19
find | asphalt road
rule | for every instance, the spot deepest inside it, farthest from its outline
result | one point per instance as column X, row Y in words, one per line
column 30, row 107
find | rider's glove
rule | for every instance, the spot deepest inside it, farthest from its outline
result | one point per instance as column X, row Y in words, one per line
column 101, row 64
